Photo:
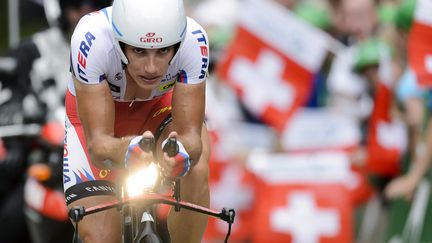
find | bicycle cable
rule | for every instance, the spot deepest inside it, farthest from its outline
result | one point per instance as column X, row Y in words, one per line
column 76, row 214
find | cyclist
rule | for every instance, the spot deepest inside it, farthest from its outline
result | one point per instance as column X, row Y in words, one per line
column 138, row 69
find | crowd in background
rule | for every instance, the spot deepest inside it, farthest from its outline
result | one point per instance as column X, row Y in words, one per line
column 319, row 131
column 364, row 103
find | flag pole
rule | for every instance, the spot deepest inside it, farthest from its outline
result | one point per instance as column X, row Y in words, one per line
column 13, row 23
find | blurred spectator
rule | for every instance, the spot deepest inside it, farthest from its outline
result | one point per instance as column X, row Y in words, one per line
column 354, row 20
column 411, row 98
column 36, row 84
column 361, row 84
column 384, row 139
column 373, row 62
column 360, row 18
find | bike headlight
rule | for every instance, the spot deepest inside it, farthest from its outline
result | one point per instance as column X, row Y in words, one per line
column 142, row 180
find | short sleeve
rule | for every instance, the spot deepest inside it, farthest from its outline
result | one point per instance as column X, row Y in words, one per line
column 194, row 55
column 90, row 48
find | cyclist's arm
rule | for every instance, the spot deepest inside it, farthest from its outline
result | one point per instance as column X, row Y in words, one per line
column 188, row 110
column 96, row 111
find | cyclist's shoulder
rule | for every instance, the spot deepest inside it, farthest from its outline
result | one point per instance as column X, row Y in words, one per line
column 192, row 59
column 99, row 17
column 194, row 28
column 196, row 36
column 96, row 23
column 93, row 36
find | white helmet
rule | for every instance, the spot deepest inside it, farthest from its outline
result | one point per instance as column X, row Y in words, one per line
column 148, row 23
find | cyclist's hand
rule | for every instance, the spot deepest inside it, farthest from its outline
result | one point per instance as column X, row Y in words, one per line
column 138, row 153
column 177, row 164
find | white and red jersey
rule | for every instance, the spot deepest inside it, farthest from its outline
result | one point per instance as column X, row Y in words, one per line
column 94, row 57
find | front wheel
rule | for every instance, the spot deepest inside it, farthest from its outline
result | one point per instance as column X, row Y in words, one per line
column 147, row 232
column 153, row 238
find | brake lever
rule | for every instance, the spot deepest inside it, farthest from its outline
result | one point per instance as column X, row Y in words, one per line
column 172, row 149
column 147, row 144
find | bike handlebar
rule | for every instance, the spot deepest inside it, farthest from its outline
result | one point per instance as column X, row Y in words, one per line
column 171, row 147
column 147, row 144
column 77, row 213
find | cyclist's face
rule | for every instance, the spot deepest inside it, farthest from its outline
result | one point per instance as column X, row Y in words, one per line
column 148, row 66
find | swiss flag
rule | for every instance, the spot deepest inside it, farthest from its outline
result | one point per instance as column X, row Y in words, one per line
column 420, row 43
column 272, row 60
column 387, row 138
column 321, row 124
column 231, row 186
column 303, row 213
column 302, row 199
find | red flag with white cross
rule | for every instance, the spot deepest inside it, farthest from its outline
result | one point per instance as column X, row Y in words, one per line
column 387, row 136
column 303, row 213
column 420, row 43
column 272, row 59
column 231, row 186
column 302, row 198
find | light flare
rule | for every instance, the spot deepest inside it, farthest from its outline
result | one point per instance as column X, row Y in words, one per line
column 142, row 180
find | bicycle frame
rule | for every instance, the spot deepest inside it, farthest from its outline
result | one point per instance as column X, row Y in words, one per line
column 137, row 218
